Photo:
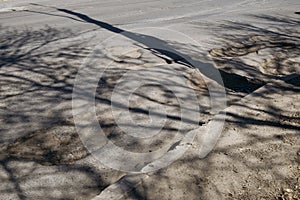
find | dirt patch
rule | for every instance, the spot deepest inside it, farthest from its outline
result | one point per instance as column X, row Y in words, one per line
column 257, row 156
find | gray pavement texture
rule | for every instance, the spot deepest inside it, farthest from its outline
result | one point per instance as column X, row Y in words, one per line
column 257, row 155
column 238, row 157
column 253, row 44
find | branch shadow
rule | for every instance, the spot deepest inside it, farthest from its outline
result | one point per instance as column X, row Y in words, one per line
column 27, row 180
column 257, row 156
column 43, row 78
column 167, row 52
column 38, row 141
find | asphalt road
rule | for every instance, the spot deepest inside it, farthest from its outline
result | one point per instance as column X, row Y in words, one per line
column 192, row 18
column 44, row 43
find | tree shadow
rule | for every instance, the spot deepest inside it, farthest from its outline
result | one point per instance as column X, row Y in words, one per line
column 37, row 73
column 257, row 156
column 39, row 145
column 167, row 52
column 36, row 77
column 268, row 52
column 22, row 179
